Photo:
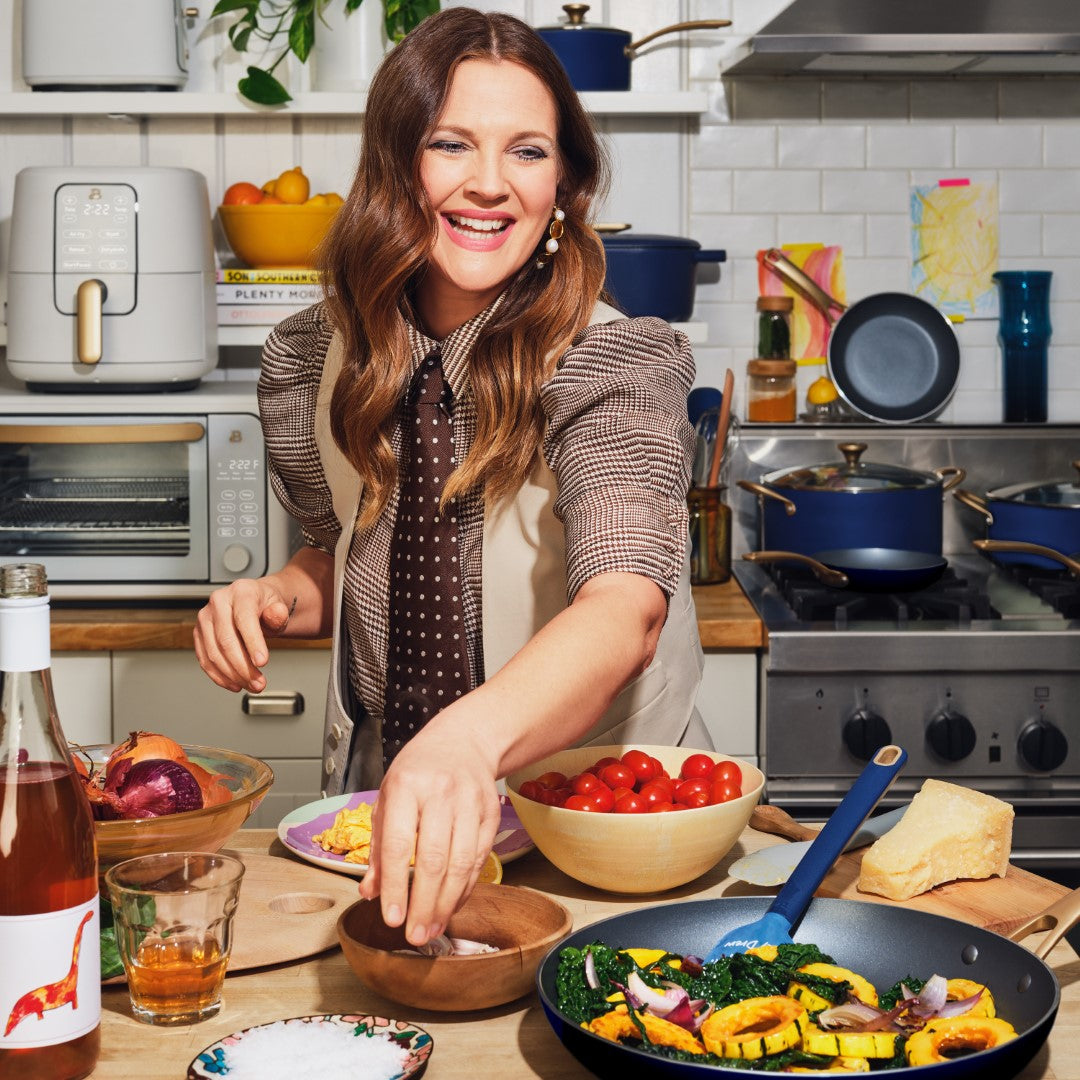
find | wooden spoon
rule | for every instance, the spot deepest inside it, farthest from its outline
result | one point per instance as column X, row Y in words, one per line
column 722, row 428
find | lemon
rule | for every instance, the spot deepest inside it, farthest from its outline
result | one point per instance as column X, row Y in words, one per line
column 333, row 198
column 821, row 391
column 269, row 186
column 292, row 186
column 492, row 870
column 317, row 200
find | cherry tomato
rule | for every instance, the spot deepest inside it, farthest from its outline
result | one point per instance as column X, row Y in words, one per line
column 642, row 765
column 686, row 788
column 724, row 791
column 618, row 775
column 580, row 802
column 656, row 791
column 727, row 770
column 585, row 783
column 596, row 767
column 551, row 779
column 530, row 789
column 660, row 770
column 661, row 808
column 619, row 792
column 603, row 799
column 697, row 766
column 694, row 800
column 630, row 804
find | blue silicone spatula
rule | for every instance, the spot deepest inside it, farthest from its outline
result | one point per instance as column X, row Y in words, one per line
column 774, row 927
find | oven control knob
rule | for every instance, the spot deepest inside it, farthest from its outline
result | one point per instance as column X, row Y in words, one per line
column 865, row 733
column 1043, row 746
column 236, row 558
column 951, row 735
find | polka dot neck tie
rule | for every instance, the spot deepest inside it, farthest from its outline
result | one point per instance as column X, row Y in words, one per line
column 427, row 661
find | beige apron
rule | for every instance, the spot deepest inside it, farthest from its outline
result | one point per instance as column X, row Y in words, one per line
column 523, row 572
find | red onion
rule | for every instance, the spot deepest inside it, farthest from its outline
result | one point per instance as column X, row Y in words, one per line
column 153, row 787
column 590, row 971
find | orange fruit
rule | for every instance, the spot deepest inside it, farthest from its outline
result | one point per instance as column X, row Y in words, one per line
column 241, row 193
column 292, row 186
column 270, row 200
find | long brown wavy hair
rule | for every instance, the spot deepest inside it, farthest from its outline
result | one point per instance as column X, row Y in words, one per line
column 379, row 246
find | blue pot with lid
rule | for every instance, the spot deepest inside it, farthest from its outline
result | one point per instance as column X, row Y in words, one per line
column 598, row 57
column 652, row 274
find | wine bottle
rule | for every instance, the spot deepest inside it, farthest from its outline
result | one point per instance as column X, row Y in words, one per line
column 50, row 971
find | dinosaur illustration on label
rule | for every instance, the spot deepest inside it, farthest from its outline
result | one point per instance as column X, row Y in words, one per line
column 52, row 995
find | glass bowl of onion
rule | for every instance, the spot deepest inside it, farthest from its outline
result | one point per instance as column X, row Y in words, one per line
column 151, row 794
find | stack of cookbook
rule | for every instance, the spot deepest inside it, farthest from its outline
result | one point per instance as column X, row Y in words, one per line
column 248, row 297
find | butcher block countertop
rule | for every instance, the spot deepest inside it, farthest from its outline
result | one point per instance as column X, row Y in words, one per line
column 725, row 621
column 512, row 1042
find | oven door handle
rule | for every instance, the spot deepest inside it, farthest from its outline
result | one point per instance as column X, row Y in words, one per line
column 86, row 434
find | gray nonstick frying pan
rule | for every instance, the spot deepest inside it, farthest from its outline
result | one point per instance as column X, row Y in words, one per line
column 892, row 357
column 882, row 942
column 864, row 568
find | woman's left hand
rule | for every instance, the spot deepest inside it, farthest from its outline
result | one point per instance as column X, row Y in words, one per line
column 440, row 795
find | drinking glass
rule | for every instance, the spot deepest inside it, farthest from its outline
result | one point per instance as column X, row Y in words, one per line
column 1024, row 333
column 173, row 914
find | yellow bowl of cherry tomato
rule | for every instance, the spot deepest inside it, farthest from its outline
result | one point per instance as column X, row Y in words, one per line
column 635, row 818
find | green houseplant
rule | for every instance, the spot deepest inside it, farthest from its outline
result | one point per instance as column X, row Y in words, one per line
column 291, row 24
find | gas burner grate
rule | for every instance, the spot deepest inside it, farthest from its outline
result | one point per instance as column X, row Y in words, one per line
column 1057, row 587
column 950, row 599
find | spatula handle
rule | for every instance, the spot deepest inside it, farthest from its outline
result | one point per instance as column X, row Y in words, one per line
column 871, row 784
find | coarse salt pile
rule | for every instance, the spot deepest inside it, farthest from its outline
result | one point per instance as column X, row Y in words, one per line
column 292, row 1051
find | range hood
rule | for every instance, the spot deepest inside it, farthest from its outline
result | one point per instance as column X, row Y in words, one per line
column 915, row 37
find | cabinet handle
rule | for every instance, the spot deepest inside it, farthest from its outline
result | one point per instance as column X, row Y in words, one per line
column 273, row 703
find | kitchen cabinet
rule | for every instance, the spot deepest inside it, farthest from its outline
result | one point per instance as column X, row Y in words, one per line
column 167, row 691
column 82, row 687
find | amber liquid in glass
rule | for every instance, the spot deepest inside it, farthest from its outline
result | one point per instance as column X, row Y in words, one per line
column 51, row 866
column 175, row 979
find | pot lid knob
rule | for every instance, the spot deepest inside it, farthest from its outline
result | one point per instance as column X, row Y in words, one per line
column 575, row 13
column 852, row 451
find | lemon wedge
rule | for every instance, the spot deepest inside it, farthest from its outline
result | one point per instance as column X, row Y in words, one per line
column 492, row 870
column 821, row 391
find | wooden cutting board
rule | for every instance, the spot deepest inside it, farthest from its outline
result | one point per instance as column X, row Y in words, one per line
column 288, row 910
column 1018, row 895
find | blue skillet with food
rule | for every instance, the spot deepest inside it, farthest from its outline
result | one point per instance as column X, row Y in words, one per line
column 881, row 988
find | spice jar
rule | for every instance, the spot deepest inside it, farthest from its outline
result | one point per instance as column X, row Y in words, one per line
column 774, row 327
column 770, row 391
column 710, row 535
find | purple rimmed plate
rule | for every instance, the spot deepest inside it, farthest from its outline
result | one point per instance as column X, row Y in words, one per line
column 298, row 827
column 213, row 1062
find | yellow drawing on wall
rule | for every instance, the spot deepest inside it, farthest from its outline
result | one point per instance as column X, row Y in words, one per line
column 954, row 246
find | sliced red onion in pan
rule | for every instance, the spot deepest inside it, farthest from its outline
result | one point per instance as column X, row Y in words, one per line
column 590, row 971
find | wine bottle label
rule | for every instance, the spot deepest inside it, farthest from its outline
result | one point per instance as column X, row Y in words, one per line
column 24, row 636
column 50, row 976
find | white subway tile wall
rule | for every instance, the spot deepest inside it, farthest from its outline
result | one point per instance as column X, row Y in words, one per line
column 773, row 160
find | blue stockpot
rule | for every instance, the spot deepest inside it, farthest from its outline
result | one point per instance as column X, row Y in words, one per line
column 852, row 504
column 1046, row 513
column 649, row 274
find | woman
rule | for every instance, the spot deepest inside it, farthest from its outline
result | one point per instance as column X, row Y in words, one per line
column 557, row 558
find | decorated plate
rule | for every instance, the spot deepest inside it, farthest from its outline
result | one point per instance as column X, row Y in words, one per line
column 300, row 825
column 295, row 1037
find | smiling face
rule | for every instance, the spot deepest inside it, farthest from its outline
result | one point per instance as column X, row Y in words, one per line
column 490, row 170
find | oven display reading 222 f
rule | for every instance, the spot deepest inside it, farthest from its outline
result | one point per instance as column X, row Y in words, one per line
column 244, row 465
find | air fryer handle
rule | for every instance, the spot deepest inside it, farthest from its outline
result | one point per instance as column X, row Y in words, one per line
column 89, row 300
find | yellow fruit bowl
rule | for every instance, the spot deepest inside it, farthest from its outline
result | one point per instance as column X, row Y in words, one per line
column 275, row 234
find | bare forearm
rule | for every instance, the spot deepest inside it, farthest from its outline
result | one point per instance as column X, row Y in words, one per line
column 563, row 680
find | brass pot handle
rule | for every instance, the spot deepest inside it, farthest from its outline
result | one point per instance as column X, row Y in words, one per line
column 950, row 476
column 823, row 573
column 697, row 24
column 776, row 260
column 1059, row 918
column 1023, row 547
column 974, row 502
column 766, row 493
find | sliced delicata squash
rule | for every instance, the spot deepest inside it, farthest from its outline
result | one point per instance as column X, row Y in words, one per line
column 755, row 1027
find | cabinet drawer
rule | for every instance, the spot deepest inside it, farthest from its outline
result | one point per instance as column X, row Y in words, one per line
column 296, row 782
column 81, row 686
column 166, row 691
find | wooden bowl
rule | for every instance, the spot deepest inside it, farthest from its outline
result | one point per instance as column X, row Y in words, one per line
column 633, row 853
column 523, row 923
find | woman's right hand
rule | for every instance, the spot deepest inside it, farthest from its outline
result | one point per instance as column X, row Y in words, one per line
column 231, row 631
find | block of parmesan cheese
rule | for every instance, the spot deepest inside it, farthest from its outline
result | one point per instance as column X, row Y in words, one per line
column 948, row 832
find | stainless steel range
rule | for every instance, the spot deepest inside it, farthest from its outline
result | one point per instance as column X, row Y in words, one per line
column 977, row 675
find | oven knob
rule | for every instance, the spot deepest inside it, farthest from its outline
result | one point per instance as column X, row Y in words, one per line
column 236, row 558
column 1043, row 746
column 951, row 735
column 865, row 733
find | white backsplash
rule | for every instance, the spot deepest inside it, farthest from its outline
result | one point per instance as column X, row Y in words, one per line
column 777, row 160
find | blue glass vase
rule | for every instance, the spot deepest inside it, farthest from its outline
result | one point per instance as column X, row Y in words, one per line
column 1024, row 332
